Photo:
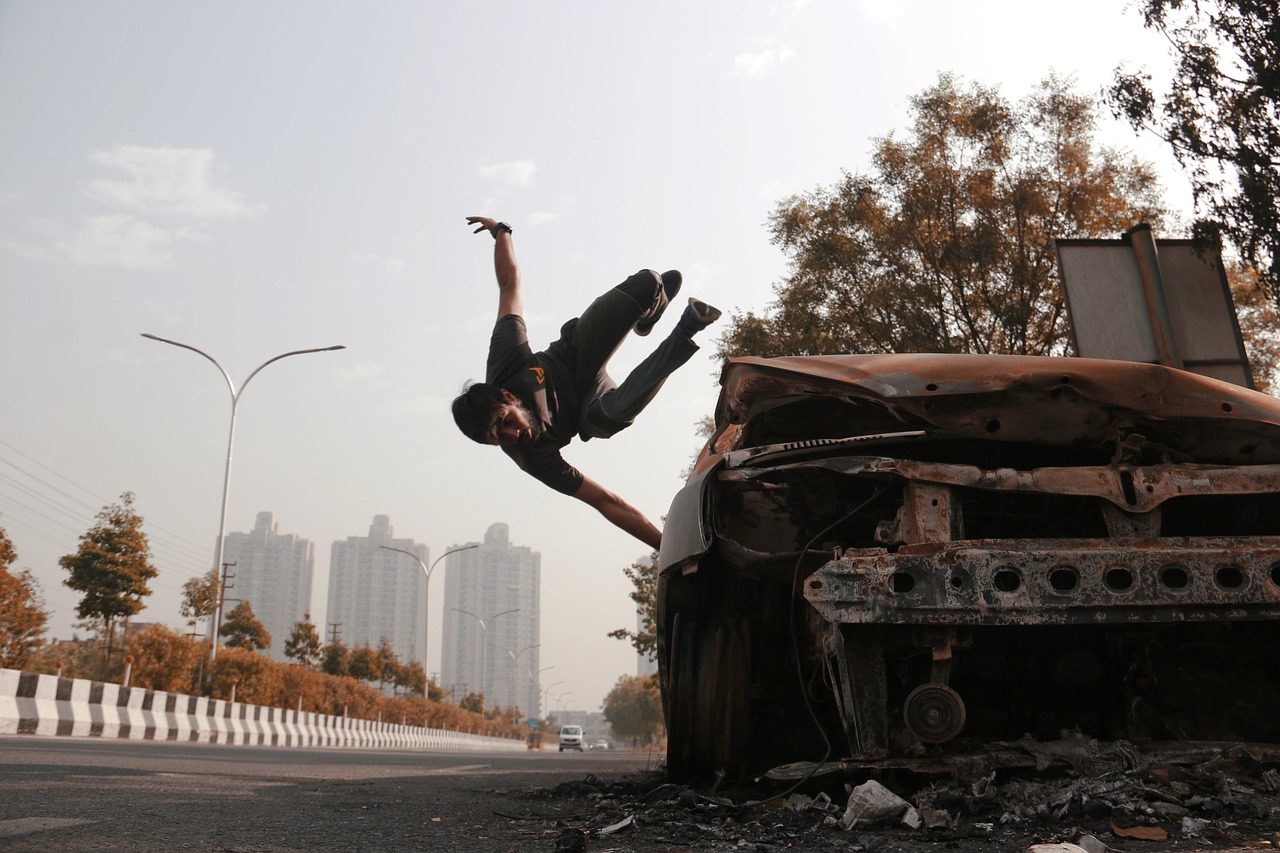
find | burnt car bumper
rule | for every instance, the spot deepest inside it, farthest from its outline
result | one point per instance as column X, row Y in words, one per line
column 884, row 554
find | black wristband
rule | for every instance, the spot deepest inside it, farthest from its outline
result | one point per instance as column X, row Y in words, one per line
column 501, row 226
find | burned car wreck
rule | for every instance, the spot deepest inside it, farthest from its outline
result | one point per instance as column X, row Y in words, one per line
column 890, row 558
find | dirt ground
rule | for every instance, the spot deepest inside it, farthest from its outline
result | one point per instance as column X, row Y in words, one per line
column 1077, row 791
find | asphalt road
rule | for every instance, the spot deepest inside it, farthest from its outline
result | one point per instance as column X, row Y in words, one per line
column 79, row 794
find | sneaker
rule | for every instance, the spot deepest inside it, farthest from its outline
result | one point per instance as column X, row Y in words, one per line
column 671, row 281
column 703, row 314
column 697, row 317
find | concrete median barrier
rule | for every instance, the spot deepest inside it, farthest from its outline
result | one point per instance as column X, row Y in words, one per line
column 48, row 705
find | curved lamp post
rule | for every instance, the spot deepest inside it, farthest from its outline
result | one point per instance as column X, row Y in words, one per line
column 427, row 616
column 231, row 437
column 515, row 664
column 546, row 698
column 537, row 688
column 515, row 655
column 484, row 646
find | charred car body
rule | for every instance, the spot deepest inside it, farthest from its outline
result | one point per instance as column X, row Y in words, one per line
column 880, row 557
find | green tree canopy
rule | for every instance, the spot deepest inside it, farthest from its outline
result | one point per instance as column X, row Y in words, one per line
column 364, row 664
column 303, row 644
column 163, row 659
column 946, row 245
column 1220, row 116
column 643, row 575
column 200, row 597
column 473, row 702
column 242, row 630
column 112, row 567
column 336, row 659
column 634, row 706
column 412, row 678
column 23, row 617
column 388, row 662
column 1259, row 323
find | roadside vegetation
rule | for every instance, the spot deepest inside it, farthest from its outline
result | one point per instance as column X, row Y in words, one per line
column 112, row 570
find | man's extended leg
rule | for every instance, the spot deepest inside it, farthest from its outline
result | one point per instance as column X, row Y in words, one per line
column 614, row 408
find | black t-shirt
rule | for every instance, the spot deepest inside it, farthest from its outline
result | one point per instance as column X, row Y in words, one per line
column 543, row 382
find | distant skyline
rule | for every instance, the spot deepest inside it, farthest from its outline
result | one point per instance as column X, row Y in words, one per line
column 491, row 632
column 377, row 592
column 271, row 570
column 254, row 178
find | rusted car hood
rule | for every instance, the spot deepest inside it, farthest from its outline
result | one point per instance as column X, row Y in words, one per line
column 1017, row 398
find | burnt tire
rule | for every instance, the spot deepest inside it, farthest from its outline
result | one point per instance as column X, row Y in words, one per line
column 708, row 689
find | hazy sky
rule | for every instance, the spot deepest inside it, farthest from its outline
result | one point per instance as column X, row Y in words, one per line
column 257, row 177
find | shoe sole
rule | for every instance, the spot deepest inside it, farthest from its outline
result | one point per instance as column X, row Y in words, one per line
column 671, row 287
column 709, row 313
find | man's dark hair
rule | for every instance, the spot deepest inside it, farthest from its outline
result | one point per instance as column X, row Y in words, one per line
column 476, row 409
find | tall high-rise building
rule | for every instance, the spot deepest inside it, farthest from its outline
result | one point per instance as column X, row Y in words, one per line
column 273, row 572
column 491, row 617
column 376, row 593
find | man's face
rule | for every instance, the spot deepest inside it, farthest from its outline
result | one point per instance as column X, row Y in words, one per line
column 514, row 423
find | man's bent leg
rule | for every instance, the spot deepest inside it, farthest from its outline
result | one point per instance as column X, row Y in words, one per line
column 602, row 327
column 616, row 408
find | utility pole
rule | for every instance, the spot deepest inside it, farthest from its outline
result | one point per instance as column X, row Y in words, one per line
column 222, row 597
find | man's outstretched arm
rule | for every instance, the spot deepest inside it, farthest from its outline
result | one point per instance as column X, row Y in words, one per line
column 619, row 512
column 510, row 301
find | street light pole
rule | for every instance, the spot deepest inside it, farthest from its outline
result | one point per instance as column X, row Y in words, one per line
column 226, row 476
column 427, row 616
column 515, row 655
column 515, row 667
column 535, row 684
column 546, row 694
column 559, row 698
column 484, row 673
column 484, row 646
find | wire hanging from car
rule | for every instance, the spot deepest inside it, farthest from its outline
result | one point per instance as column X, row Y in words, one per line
column 795, row 645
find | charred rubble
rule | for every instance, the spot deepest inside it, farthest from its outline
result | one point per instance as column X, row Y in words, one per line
column 1074, row 790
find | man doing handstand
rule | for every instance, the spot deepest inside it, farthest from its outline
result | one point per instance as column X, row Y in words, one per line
column 533, row 404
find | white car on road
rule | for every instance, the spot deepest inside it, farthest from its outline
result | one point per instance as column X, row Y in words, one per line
column 571, row 738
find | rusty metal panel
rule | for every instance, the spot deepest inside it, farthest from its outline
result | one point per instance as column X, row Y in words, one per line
column 1047, row 582
column 1136, row 489
column 1189, row 321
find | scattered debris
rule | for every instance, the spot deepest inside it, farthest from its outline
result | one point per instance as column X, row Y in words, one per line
column 1145, row 833
column 1090, row 844
column 1074, row 795
column 872, row 803
column 571, row 840
column 617, row 827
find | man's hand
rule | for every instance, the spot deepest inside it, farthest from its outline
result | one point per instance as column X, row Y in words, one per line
column 486, row 223
column 504, row 266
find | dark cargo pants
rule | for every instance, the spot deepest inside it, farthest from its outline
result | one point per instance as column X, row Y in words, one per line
column 608, row 407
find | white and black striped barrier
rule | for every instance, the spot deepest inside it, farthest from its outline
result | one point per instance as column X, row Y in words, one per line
column 36, row 704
